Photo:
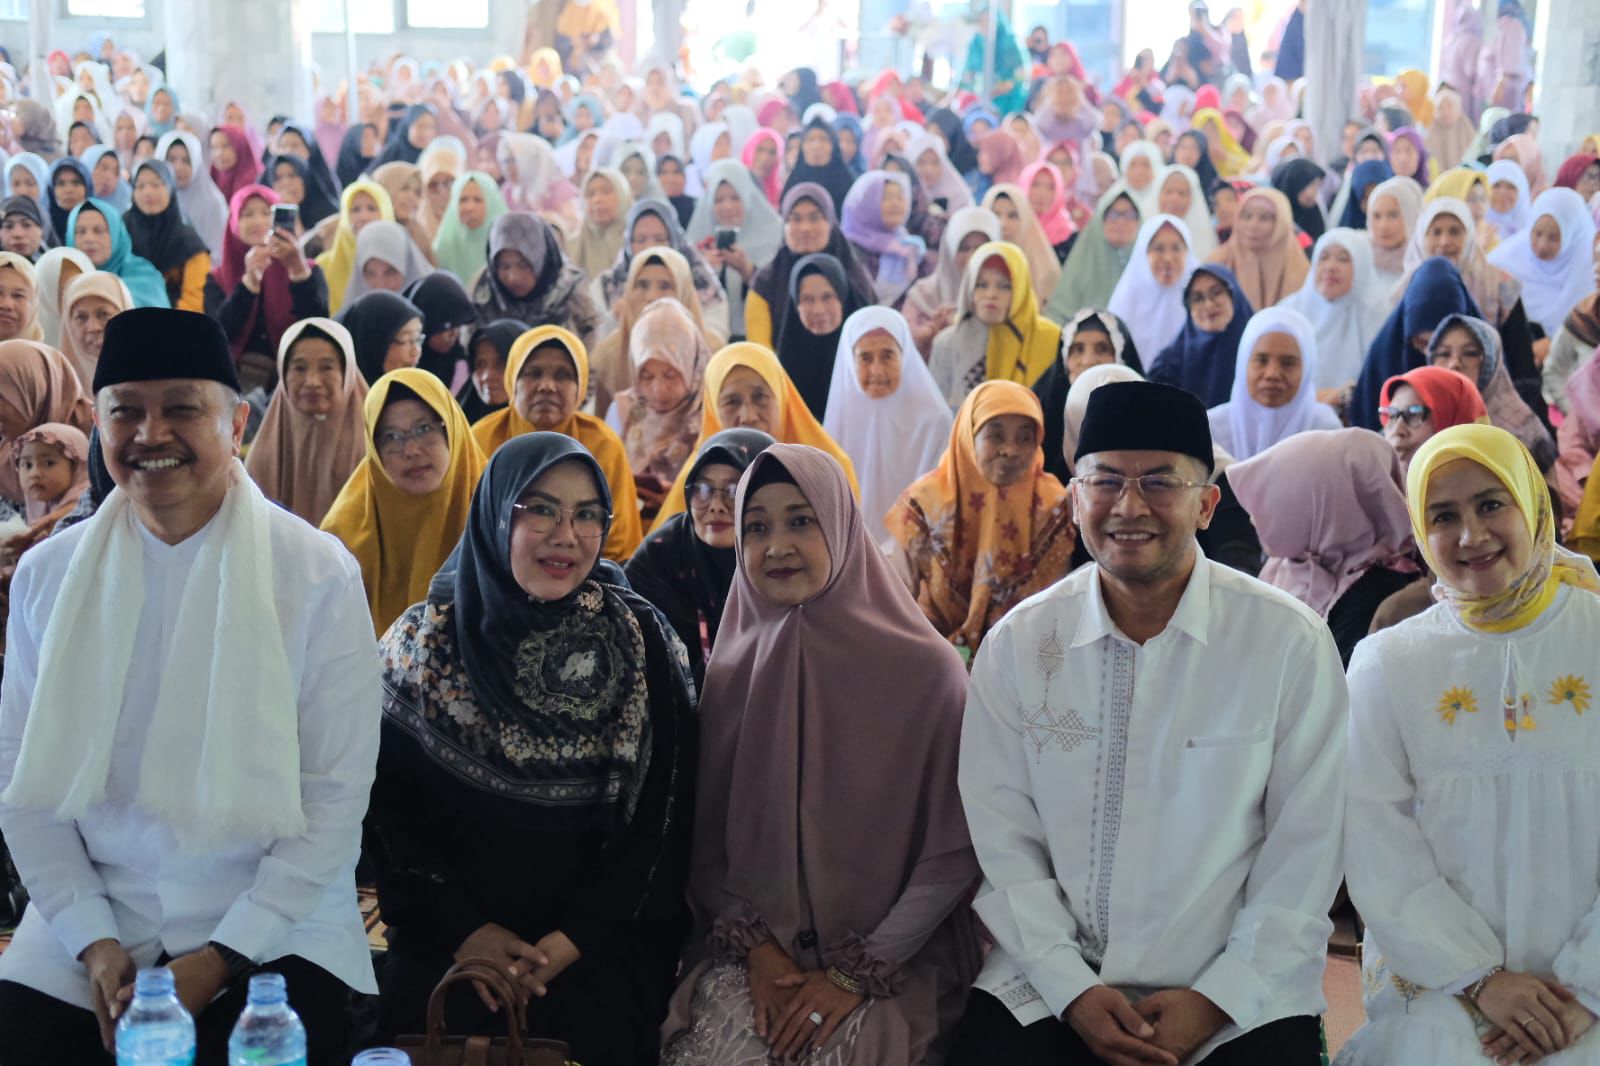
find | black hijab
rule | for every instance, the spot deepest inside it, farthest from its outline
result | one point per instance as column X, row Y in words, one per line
column 59, row 214
column 1507, row 128
column 1054, row 384
column 834, row 175
column 445, row 306
column 373, row 321
column 165, row 239
column 1291, row 179
column 314, row 205
column 352, row 163
column 400, row 149
column 1201, row 362
column 502, row 333
column 806, row 356
column 317, row 163
column 1205, row 170
column 807, row 93
column 959, row 150
column 772, row 281
column 1366, row 177
column 682, row 205
column 686, row 578
column 590, row 734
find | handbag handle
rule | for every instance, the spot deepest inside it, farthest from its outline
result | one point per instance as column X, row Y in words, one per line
column 492, row 974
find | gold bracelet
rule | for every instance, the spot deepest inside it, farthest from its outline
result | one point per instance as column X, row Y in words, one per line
column 845, row 982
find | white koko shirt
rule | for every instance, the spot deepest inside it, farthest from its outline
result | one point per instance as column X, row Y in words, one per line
column 1158, row 816
column 119, row 873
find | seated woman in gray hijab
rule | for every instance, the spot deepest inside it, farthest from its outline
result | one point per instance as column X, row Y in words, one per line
column 537, row 762
column 829, row 909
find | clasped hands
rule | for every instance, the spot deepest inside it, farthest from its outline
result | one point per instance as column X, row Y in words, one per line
column 1165, row 1027
column 199, row 977
column 531, row 966
column 1531, row 1017
column 785, row 998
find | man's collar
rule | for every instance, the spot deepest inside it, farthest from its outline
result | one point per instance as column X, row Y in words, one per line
column 1192, row 615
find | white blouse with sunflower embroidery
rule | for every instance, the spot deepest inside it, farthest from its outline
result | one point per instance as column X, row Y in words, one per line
column 1472, row 831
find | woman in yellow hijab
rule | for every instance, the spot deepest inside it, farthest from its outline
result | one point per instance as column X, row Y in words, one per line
column 404, row 507
column 1474, row 745
column 1472, row 188
column 547, row 398
column 338, row 263
column 988, row 344
column 1227, row 154
column 1413, row 86
column 747, row 388
column 1489, row 602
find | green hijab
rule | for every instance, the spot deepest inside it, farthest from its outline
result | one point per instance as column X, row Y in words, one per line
column 1093, row 266
column 460, row 250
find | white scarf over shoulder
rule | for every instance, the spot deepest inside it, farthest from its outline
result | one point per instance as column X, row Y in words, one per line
column 221, row 760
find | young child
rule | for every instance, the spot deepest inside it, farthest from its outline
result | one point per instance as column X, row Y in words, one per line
column 53, row 466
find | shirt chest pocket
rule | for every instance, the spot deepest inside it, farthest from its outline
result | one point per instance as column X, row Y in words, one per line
column 1223, row 774
column 1227, row 741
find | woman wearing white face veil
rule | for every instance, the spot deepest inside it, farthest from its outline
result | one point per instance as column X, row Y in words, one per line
column 893, row 438
column 1245, row 425
column 1553, row 285
column 1342, row 305
column 1151, row 306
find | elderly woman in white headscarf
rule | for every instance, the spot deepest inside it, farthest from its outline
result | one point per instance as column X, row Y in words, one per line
column 1274, row 395
column 884, row 410
column 1343, row 306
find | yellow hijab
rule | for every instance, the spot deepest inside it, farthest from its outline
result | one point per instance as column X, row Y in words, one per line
column 401, row 540
column 1227, row 154
column 796, row 424
column 338, row 263
column 493, row 430
column 1026, row 344
column 1506, row 458
column 1457, row 183
column 1413, row 86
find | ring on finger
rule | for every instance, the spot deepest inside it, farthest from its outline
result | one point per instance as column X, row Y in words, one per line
column 815, row 1018
column 1525, row 1022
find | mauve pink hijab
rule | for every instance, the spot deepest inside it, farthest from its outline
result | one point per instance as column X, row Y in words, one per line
column 829, row 736
column 1329, row 505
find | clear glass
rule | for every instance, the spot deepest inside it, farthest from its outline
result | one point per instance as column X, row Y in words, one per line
column 156, row 1030
column 382, row 1056
column 269, row 1032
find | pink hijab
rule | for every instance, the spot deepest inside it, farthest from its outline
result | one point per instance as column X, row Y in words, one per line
column 1057, row 223
column 793, row 824
column 1524, row 150
column 1006, row 154
column 773, row 185
column 1329, row 505
column 71, row 442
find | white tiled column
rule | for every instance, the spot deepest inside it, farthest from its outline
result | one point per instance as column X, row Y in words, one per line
column 258, row 54
column 1566, row 37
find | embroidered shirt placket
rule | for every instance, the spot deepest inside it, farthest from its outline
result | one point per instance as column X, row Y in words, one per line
column 1116, row 687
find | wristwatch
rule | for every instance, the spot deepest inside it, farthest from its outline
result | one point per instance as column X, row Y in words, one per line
column 239, row 965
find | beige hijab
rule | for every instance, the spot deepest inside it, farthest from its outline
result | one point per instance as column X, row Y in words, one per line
column 30, row 330
column 1043, row 266
column 611, row 365
column 303, row 461
column 106, row 286
column 659, row 444
column 1269, row 275
column 596, row 247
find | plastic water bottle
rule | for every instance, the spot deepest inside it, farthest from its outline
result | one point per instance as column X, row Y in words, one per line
column 269, row 1032
column 156, row 1030
column 382, row 1056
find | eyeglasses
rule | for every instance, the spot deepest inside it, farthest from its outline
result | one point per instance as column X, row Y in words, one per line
column 701, row 495
column 588, row 521
column 1199, row 297
column 1158, row 490
column 1412, row 415
column 1122, row 216
column 394, row 441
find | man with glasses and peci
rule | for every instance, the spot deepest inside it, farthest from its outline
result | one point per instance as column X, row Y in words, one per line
column 1159, row 829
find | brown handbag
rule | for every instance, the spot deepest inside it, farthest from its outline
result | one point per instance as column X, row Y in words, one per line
column 439, row 1048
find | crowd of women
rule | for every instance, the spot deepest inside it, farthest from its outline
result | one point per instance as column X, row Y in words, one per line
column 665, row 285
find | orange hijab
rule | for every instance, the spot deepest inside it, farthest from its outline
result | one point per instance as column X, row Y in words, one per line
column 602, row 441
column 977, row 549
column 796, row 424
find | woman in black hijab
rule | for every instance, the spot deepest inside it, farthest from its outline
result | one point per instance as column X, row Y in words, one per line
column 376, row 321
column 62, row 171
column 686, row 566
column 314, row 203
column 297, row 140
column 962, row 155
column 535, row 771
column 1203, row 167
column 408, row 137
column 821, row 163
column 771, row 283
column 1293, row 178
column 806, row 91
column 353, row 160
column 808, row 336
column 445, row 308
column 489, row 349
column 159, row 233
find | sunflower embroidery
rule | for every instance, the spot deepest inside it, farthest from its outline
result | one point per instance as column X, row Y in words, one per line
column 1456, row 701
column 1571, row 689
